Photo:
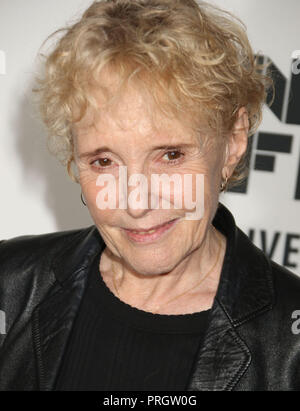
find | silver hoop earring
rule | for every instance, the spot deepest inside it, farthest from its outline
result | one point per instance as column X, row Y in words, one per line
column 82, row 200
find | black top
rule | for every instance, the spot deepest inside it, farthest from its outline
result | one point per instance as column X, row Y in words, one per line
column 114, row 346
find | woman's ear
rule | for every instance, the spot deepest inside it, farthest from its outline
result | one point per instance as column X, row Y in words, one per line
column 237, row 143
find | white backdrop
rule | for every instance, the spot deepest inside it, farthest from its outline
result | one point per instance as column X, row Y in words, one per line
column 36, row 194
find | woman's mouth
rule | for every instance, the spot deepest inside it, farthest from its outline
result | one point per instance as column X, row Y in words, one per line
column 150, row 235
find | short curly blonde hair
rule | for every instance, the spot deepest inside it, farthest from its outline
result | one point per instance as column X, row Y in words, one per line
column 195, row 55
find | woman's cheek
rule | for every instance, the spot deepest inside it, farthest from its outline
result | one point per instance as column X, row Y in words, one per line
column 89, row 187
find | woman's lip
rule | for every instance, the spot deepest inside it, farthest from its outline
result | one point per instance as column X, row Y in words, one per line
column 148, row 238
column 149, row 229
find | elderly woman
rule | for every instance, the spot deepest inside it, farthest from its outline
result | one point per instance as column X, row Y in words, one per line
column 155, row 295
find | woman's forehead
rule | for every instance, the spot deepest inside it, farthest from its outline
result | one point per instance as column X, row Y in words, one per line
column 139, row 135
column 132, row 114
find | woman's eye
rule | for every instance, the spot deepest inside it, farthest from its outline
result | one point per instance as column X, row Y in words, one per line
column 173, row 156
column 102, row 162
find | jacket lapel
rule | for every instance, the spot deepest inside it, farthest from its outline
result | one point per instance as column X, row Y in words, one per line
column 223, row 357
column 245, row 291
column 54, row 317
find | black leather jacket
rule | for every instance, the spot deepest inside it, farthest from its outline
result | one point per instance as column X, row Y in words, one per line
column 249, row 344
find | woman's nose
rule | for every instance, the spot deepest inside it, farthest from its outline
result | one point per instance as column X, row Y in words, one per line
column 138, row 192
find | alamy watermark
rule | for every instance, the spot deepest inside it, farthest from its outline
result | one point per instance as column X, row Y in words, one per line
column 296, row 323
column 167, row 191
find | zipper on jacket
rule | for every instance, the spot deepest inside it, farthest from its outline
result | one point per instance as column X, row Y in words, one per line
column 38, row 352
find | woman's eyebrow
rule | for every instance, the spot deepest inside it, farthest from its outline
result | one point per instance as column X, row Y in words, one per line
column 100, row 150
column 95, row 152
column 172, row 146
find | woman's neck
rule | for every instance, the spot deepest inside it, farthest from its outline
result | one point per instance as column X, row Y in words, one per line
column 152, row 293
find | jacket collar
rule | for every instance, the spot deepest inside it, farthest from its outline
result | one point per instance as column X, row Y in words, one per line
column 77, row 255
column 245, row 291
column 245, row 287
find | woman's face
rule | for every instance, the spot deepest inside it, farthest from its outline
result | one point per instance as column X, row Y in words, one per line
column 147, row 145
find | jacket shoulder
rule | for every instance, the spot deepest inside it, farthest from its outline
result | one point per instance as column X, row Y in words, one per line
column 29, row 247
column 286, row 285
column 27, row 259
column 26, row 274
column 275, row 277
